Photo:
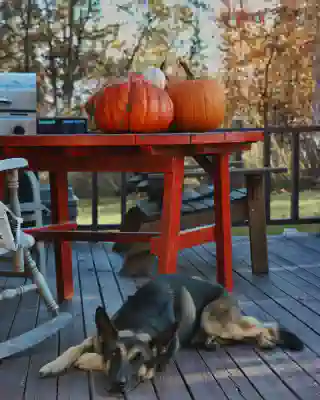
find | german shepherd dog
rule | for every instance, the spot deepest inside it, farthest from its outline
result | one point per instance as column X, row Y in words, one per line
column 169, row 312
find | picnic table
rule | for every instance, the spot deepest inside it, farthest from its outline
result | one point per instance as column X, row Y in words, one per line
column 154, row 153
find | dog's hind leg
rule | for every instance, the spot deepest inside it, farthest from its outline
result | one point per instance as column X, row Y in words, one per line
column 67, row 359
column 186, row 314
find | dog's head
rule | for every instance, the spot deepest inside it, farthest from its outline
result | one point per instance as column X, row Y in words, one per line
column 129, row 357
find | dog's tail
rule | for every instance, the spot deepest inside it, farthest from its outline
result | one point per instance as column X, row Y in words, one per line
column 289, row 340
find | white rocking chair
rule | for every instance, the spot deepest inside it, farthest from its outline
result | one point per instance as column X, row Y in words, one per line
column 12, row 238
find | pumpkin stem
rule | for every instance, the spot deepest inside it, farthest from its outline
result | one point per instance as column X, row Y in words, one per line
column 163, row 65
column 186, row 68
column 163, row 68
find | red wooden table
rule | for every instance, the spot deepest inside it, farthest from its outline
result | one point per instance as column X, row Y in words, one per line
column 152, row 153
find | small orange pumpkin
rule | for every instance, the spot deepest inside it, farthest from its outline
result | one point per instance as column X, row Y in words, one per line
column 131, row 104
column 199, row 104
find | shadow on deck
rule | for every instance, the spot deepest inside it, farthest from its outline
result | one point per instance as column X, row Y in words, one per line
column 290, row 294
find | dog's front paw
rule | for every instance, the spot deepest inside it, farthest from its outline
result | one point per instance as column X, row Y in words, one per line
column 50, row 369
column 90, row 362
column 146, row 372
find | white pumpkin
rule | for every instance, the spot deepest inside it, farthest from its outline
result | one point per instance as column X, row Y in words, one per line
column 156, row 77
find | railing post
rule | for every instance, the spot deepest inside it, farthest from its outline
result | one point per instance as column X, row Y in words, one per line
column 237, row 123
column 266, row 163
column 295, row 175
column 124, row 195
column 94, row 203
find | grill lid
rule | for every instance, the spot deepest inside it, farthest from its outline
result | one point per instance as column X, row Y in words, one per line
column 18, row 91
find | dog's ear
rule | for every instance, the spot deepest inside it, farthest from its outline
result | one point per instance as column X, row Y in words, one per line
column 164, row 339
column 104, row 325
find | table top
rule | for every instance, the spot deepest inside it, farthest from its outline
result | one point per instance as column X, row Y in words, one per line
column 220, row 136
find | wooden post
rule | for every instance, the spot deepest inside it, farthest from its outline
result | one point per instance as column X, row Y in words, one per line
column 257, row 224
column 63, row 252
column 221, row 181
column 170, row 218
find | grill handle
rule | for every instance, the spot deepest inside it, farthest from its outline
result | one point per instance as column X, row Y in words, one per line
column 4, row 100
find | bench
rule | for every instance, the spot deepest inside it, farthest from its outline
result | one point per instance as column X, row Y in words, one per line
column 247, row 207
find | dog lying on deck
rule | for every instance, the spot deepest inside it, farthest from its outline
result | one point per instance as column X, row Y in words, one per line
column 168, row 312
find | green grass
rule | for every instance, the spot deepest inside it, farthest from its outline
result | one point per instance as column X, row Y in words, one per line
column 109, row 211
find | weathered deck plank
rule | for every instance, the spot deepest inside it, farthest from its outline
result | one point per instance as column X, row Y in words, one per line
column 126, row 288
column 289, row 294
column 14, row 371
column 235, row 384
column 298, row 380
column 90, row 298
column 75, row 384
column 260, row 374
column 38, row 388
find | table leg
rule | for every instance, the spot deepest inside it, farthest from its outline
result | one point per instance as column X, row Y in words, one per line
column 2, row 185
column 221, row 181
column 62, row 250
column 170, row 217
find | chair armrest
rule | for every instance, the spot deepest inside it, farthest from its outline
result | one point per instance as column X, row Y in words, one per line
column 13, row 163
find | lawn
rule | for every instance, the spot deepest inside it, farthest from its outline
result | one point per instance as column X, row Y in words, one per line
column 109, row 211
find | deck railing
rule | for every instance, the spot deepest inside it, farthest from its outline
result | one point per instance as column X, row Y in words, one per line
column 292, row 135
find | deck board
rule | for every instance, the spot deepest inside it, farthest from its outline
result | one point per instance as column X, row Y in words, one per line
column 33, row 387
column 126, row 288
column 234, row 381
column 290, row 294
column 258, row 372
column 283, row 365
column 75, row 384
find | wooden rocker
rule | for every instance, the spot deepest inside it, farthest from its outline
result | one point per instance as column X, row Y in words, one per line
column 13, row 239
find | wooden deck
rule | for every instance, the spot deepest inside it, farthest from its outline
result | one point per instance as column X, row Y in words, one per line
column 290, row 294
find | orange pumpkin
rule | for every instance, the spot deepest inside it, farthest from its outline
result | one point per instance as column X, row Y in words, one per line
column 199, row 104
column 131, row 105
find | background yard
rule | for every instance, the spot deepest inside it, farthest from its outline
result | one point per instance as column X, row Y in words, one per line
column 109, row 210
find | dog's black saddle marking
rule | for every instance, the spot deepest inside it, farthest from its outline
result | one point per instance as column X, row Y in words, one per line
column 150, row 310
column 189, row 307
column 161, row 302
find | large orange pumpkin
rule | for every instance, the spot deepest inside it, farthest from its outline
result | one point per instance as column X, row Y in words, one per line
column 199, row 104
column 131, row 105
